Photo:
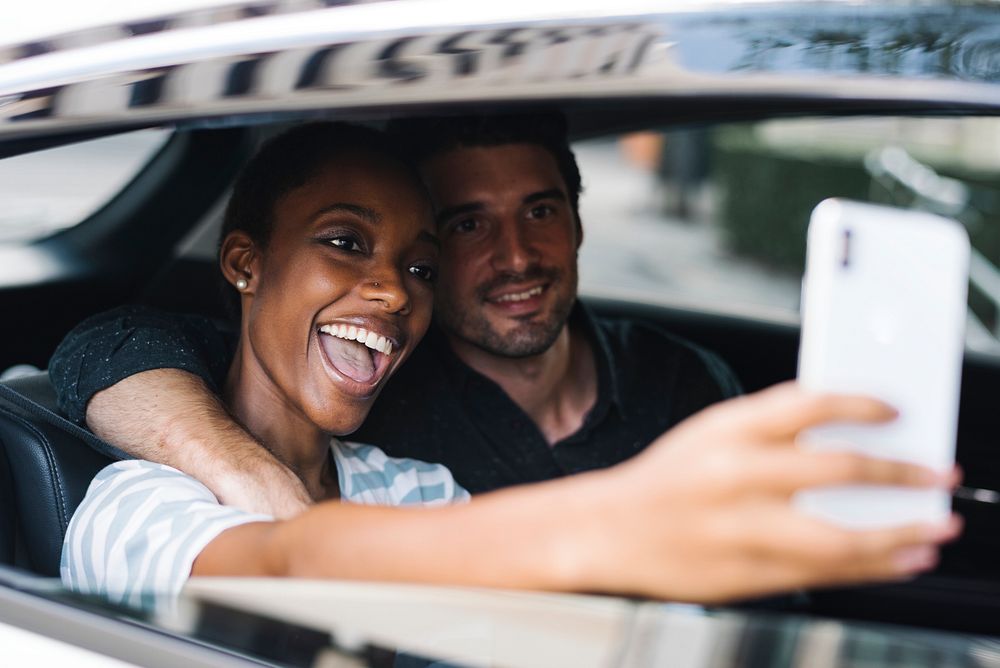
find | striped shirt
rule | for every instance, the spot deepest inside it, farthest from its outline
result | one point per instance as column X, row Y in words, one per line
column 141, row 525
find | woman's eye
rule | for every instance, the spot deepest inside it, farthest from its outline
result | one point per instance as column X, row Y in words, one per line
column 424, row 272
column 346, row 243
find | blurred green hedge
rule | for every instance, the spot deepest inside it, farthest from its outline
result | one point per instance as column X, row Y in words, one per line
column 767, row 194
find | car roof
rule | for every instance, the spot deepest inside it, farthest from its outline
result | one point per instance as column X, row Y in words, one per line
column 212, row 62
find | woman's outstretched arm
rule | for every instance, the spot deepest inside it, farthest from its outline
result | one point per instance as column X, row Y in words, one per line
column 703, row 515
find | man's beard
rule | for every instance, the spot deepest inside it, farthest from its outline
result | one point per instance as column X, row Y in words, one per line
column 526, row 339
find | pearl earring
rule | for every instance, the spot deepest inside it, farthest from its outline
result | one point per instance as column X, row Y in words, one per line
column 241, row 284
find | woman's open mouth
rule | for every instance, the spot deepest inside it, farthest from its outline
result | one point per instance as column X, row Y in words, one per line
column 356, row 353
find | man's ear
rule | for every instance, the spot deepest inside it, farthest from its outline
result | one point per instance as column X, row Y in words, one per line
column 239, row 261
column 579, row 231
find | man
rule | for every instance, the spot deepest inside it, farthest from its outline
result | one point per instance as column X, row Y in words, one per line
column 518, row 382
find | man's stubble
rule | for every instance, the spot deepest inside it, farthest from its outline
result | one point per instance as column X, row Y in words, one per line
column 528, row 338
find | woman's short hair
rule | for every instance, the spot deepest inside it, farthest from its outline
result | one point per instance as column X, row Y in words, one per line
column 289, row 161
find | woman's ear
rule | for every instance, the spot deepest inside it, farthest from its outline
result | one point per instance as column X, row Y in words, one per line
column 238, row 259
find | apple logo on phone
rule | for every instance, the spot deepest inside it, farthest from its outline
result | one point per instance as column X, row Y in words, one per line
column 883, row 327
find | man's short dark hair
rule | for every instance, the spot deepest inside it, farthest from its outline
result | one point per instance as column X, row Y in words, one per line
column 424, row 138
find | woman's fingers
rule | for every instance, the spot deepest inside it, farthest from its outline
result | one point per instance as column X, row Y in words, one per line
column 788, row 471
column 809, row 552
column 782, row 411
column 893, row 553
column 733, row 469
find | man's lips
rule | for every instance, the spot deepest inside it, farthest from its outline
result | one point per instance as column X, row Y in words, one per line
column 517, row 295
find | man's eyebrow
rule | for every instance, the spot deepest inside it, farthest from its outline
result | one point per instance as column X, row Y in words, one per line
column 363, row 212
column 452, row 211
column 551, row 193
column 430, row 238
column 472, row 207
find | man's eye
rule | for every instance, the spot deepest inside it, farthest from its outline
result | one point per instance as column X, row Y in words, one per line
column 424, row 272
column 540, row 211
column 466, row 225
column 346, row 243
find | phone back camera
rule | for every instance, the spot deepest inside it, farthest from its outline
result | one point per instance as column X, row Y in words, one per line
column 845, row 249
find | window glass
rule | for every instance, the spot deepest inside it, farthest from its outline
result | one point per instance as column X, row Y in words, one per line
column 47, row 191
column 716, row 217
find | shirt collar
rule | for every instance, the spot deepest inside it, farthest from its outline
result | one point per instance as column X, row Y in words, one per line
column 608, row 367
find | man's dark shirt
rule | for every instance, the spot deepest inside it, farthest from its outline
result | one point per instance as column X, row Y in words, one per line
column 436, row 408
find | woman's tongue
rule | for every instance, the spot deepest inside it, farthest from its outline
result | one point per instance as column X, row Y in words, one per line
column 351, row 358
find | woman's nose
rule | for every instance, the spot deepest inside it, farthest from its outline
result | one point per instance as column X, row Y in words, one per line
column 389, row 289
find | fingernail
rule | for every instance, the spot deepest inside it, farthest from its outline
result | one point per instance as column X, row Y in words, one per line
column 944, row 531
column 919, row 558
column 954, row 526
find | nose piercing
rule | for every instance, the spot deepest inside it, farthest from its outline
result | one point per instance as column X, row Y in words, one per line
column 375, row 283
column 241, row 284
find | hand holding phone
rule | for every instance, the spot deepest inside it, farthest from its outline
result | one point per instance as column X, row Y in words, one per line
column 883, row 314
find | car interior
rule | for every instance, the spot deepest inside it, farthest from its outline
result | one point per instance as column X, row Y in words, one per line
column 127, row 252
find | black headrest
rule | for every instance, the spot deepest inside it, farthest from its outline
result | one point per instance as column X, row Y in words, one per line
column 50, row 470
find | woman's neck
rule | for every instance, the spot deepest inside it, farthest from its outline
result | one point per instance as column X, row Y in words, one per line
column 257, row 403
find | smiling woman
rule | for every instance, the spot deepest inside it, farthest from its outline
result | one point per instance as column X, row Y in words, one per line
column 348, row 243
column 328, row 241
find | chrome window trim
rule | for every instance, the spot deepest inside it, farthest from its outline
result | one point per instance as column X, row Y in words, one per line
column 106, row 635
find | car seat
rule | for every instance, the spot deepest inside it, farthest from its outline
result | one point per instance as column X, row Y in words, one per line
column 7, row 524
column 44, row 474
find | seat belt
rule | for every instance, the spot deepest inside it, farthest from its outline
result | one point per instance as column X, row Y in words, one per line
column 51, row 417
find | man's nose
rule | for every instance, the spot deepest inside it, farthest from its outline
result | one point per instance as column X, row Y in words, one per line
column 388, row 288
column 513, row 251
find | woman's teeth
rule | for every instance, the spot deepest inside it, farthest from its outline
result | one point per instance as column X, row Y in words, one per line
column 520, row 296
column 361, row 335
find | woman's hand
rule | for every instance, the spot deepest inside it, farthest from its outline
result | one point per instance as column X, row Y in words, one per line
column 704, row 514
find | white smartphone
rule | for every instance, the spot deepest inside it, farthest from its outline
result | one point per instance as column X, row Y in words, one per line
column 883, row 314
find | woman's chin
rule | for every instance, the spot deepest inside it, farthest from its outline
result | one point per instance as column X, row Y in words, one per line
column 344, row 395
column 340, row 418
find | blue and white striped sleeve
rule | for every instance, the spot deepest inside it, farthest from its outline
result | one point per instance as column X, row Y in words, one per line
column 138, row 531
column 369, row 476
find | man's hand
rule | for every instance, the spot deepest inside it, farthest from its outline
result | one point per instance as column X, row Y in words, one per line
column 704, row 514
column 170, row 417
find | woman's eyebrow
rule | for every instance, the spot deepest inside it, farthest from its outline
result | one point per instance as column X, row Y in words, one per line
column 365, row 213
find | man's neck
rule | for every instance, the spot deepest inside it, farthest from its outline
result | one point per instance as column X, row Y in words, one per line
column 556, row 388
